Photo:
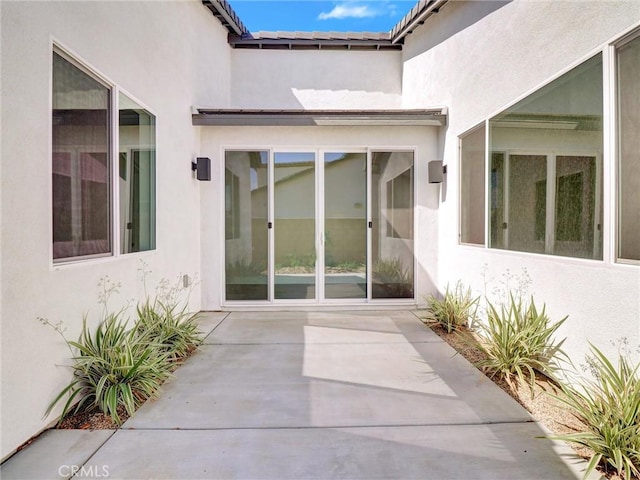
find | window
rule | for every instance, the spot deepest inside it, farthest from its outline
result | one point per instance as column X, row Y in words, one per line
column 84, row 194
column 628, row 83
column 81, row 162
column 472, row 153
column 137, row 177
column 546, row 161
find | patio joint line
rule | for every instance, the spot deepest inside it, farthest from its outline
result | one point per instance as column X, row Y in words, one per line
column 214, row 328
column 97, row 449
column 333, row 427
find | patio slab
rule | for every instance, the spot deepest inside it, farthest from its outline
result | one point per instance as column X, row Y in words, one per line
column 326, row 385
column 253, row 328
column 55, row 454
column 314, row 395
column 507, row 451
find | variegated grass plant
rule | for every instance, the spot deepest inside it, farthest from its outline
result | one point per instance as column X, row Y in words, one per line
column 517, row 340
column 455, row 310
column 609, row 407
column 170, row 327
column 114, row 367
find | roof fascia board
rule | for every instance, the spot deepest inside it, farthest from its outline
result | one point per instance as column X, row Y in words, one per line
column 294, row 44
column 232, row 117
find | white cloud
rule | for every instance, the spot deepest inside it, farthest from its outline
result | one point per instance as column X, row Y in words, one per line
column 349, row 11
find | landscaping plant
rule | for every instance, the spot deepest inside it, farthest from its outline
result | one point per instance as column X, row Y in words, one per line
column 517, row 340
column 609, row 406
column 117, row 368
column 113, row 368
column 170, row 327
column 455, row 310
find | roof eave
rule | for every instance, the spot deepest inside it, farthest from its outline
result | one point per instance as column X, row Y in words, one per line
column 227, row 16
column 237, row 41
column 416, row 17
column 241, row 117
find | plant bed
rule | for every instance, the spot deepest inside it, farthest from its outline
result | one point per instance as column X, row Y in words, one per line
column 542, row 405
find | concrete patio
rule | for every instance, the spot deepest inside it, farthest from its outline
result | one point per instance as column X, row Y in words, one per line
column 313, row 395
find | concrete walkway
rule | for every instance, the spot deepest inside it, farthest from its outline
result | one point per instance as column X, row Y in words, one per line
column 321, row 395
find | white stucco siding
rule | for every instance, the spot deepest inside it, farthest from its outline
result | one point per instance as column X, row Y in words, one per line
column 316, row 79
column 146, row 49
column 478, row 58
column 424, row 140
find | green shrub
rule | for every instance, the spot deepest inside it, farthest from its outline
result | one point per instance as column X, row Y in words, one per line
column 171, row 328
column 517, row 340
column 609, row 406
column 113, row 368
column 455, row 310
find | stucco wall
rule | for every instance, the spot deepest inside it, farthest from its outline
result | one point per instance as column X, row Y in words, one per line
column 147, row 49
column 216, row 139
column 322, row 79
column 478, row 57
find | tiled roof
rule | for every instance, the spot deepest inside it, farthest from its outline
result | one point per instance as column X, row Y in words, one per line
column 240, row 37
column 227, row 16
column 416, row 16
column 315, row 40
column 321, row 36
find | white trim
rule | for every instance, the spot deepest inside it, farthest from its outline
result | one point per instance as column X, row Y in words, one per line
column 460, row 186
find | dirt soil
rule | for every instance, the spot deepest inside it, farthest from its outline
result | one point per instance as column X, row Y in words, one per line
column 91, row 421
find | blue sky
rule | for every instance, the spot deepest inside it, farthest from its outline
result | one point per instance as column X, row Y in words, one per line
column 319, row 15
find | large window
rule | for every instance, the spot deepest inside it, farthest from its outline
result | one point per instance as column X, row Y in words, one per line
column 628, row 70
column 84, row 195
column 545, row 173
column 81, row 163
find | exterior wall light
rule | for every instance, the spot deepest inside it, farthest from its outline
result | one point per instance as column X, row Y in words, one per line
column 436, row 171
column 202, row 167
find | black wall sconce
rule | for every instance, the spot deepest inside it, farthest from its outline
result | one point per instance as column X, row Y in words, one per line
column 202, row 167
column 436, row 171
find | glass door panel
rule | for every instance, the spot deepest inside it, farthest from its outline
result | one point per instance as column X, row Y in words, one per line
column 392, row 215
column 294, row 189
column 345, row 225
column 246, row 234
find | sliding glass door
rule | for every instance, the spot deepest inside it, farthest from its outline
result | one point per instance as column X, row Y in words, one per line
column 246, row 188
column 318, row 226
column 392, row 258
column 295, row 257
column 345, row 225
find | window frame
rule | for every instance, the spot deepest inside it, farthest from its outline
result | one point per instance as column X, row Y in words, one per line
column 616, row 140
column 485, row 169
column 113, row 156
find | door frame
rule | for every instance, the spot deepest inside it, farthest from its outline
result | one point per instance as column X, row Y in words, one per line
column 319, row 184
